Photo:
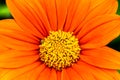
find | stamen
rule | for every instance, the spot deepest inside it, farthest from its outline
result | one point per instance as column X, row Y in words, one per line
column 59, row 50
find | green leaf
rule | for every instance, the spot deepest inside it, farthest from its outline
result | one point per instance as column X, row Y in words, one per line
column 4, row 12
column 118, row 11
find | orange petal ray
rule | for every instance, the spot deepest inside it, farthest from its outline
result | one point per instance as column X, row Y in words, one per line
column 64, row 75
column 76, row 14
column 73, row 75
column 95, row 72
column 59, row 75
column 50, row 8
column 97, row 8
column 31, row 74
column 13, row 37
column 11, row 74
column 53, row 75
column 99, row 31
column 83, row 72
column 62, row 12
column 31, row 16
column 45, row 74
column 15, row 58
column 103, row 57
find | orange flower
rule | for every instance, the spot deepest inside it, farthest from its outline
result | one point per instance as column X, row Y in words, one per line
column 59, row 40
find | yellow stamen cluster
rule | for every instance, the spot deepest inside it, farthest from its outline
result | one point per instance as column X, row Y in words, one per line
column 59, row 50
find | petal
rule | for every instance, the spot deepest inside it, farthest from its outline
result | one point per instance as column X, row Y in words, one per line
column 53, row 74
column 45, row 15
column 103, row 57
column 64, row 75
column 3, row 48
column 56, row 12
column 113, row 73
column 31, row 16
column 89, row 72
column 104, row 6
column 77, row 11
column 31, row 74
column 15, row 59
column 17, row 44
column 37, row 17
column 73, row 75
column 45, row 74
column 62, row 7
column 13, row 37
column 66, row 14
column 99, row 31
column 58, row 75
column 97, row 8
column 49, row 7
column 83, row 71
column 13, row 74
column 9, row 22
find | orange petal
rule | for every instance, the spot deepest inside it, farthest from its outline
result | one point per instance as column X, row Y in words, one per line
column 83, row 71
column 49, row 7
column 14, row 59
column 31, row 74
column 45, row 74
column 58, row 75
column 13, row 37
column 3, row 72
column 13, row 74
column 103, row 57
column 65, row 13
column 113, row 73
column 104, row 6
column 89, row 72
column 73, row 75
column 17, row 44
column 31, row 16
column 77, row 11
column 97, row 8
column 9, row 24
column 53, row 75
column 62, row 7
column 64, row 75
column 99, row 31
column 3, row 48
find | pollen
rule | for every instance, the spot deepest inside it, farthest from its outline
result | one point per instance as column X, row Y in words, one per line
column 59, row 50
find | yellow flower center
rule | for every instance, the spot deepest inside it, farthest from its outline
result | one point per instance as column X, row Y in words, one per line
column 59, row 50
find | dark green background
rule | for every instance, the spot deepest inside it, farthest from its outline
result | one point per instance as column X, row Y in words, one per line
column 4, row 13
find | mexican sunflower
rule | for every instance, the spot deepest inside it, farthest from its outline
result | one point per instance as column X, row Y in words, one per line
column 59, row 40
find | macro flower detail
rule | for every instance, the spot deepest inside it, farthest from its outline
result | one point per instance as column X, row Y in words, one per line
column 60, row 40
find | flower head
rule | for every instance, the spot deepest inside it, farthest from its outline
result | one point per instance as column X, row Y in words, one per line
column 59, row 40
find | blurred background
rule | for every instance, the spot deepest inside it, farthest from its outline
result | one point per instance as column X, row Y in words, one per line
column 5, row 14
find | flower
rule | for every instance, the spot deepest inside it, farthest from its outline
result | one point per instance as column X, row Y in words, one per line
column 59, row 40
